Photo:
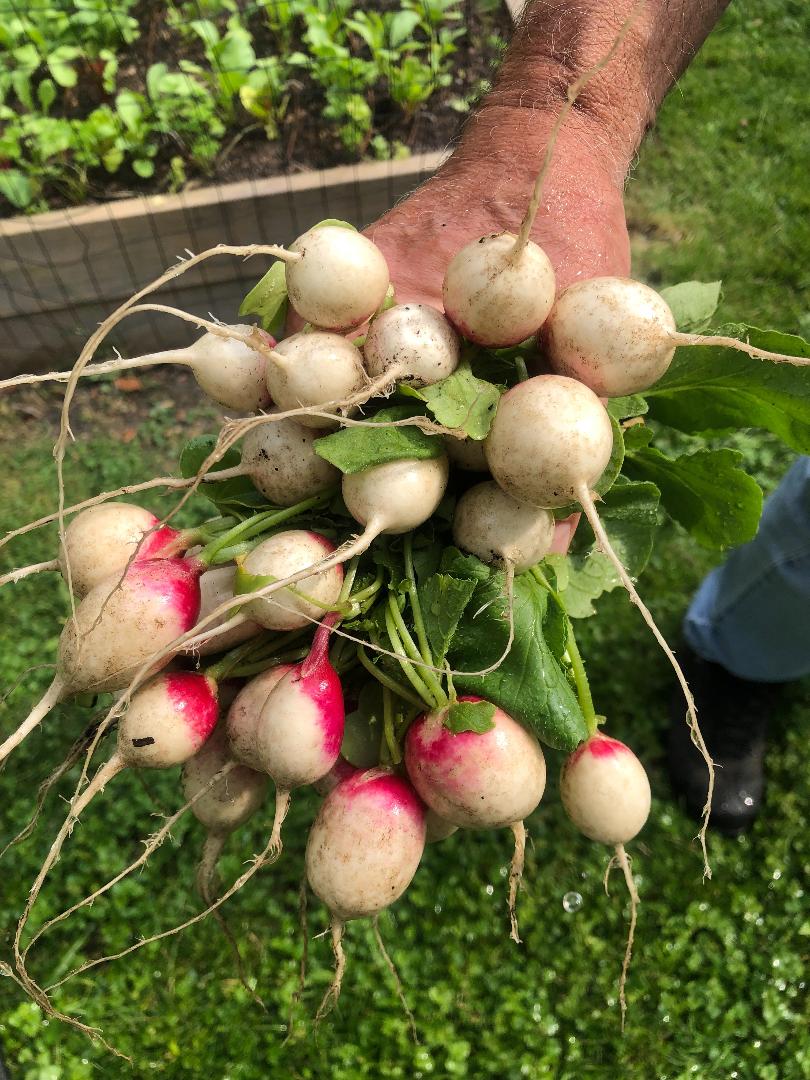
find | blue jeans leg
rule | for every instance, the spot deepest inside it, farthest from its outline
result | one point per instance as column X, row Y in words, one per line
column 752, row 614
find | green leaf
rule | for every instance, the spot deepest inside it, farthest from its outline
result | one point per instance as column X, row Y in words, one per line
column 468, row 566
column 530, row 683
column 144, row 167
column 353, row 449
column 460, row 401
column 16, row 187
column 706, row 492
column 443, row 600
column 268, row 300
column 61, row 67
column 622, row 408
column 477, row 716
column 693, row 303
column 629, row 513
column 711, row 389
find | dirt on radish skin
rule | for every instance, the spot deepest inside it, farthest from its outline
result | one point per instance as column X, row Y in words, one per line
column 243, row 716
column 280, row 460
column 414, row 340
column 605, row 790
column 313, row 370
column 280, row 556
column 101, row 540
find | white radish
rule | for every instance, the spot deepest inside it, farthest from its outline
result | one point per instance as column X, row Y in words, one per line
column 466, row 454
column 314, row 370
column 116, row 629
column 606, row 793
column 396, row 497
column 413, row 342
column 497, row 292
column 301, row 726
column 363, row 850
column 280, row 460
column 284, row 555
column 618, row 336
column 493, row 526
column 340, row 280
column 549, row 443
column 243, row 716
column 227, row 369
column 216, row 586
column 491, row 780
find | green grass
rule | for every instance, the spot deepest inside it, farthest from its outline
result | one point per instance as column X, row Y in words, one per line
column 716, row 988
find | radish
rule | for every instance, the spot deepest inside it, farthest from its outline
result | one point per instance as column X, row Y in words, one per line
column 413, row 342
column 102, row 540
column 227, row 369
column 300, row 727
column 280, row 460
column 396, row 497
column 287, row 554
column 315, row 369
column 340, row 279
column 497, row 528
column 243, row 716
column 224, row 807
column 549, row 443
column 606, row 793
column 498, row 291
column 116, row 629
column 437, row 828
column 479, row 781
column 618, row 336
column 216, row 586
column 363, row 850
column 340, row 771
column 466, row 454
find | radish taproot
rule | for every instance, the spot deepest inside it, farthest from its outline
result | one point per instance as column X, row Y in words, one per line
column 363, row 850
column 618, row 336
column 489, row 780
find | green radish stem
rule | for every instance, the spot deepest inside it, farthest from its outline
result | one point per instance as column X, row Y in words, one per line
column 585, row 499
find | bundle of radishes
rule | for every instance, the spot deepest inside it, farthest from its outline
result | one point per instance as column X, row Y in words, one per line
column 375, row 607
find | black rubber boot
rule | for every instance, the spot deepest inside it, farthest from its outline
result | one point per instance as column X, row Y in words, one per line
column 733, row 716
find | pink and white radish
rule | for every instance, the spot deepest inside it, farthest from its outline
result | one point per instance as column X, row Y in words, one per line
column 363, row 850
column 116, row 629
column 606, row 793
column 243, row 716
column 216, row 586
column 289, row 554
column 479, row 781
column 498, row 291
column 339, row 281
column 300, row 727
column 315, row 370
column 101, row 540
column 280, row 460
column 618, row 336
column 412, row 342
column 340, row 771
column 549, row 443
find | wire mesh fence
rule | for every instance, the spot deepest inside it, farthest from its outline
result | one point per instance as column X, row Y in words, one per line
column 131, row 131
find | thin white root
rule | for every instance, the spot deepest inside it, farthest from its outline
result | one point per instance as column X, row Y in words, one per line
column 586, row 501
column 205, row 878
column 516, row 876
column 49, row 700
column 389, row 963
column 282, row 808
column 331, row 996
column 256, row 864
column 150, row 845
column 49, row 782
column 107, row 771
column 573, row 92
column 740, row 346
column 612, row 863
column 26, row 571
column 624, row 862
